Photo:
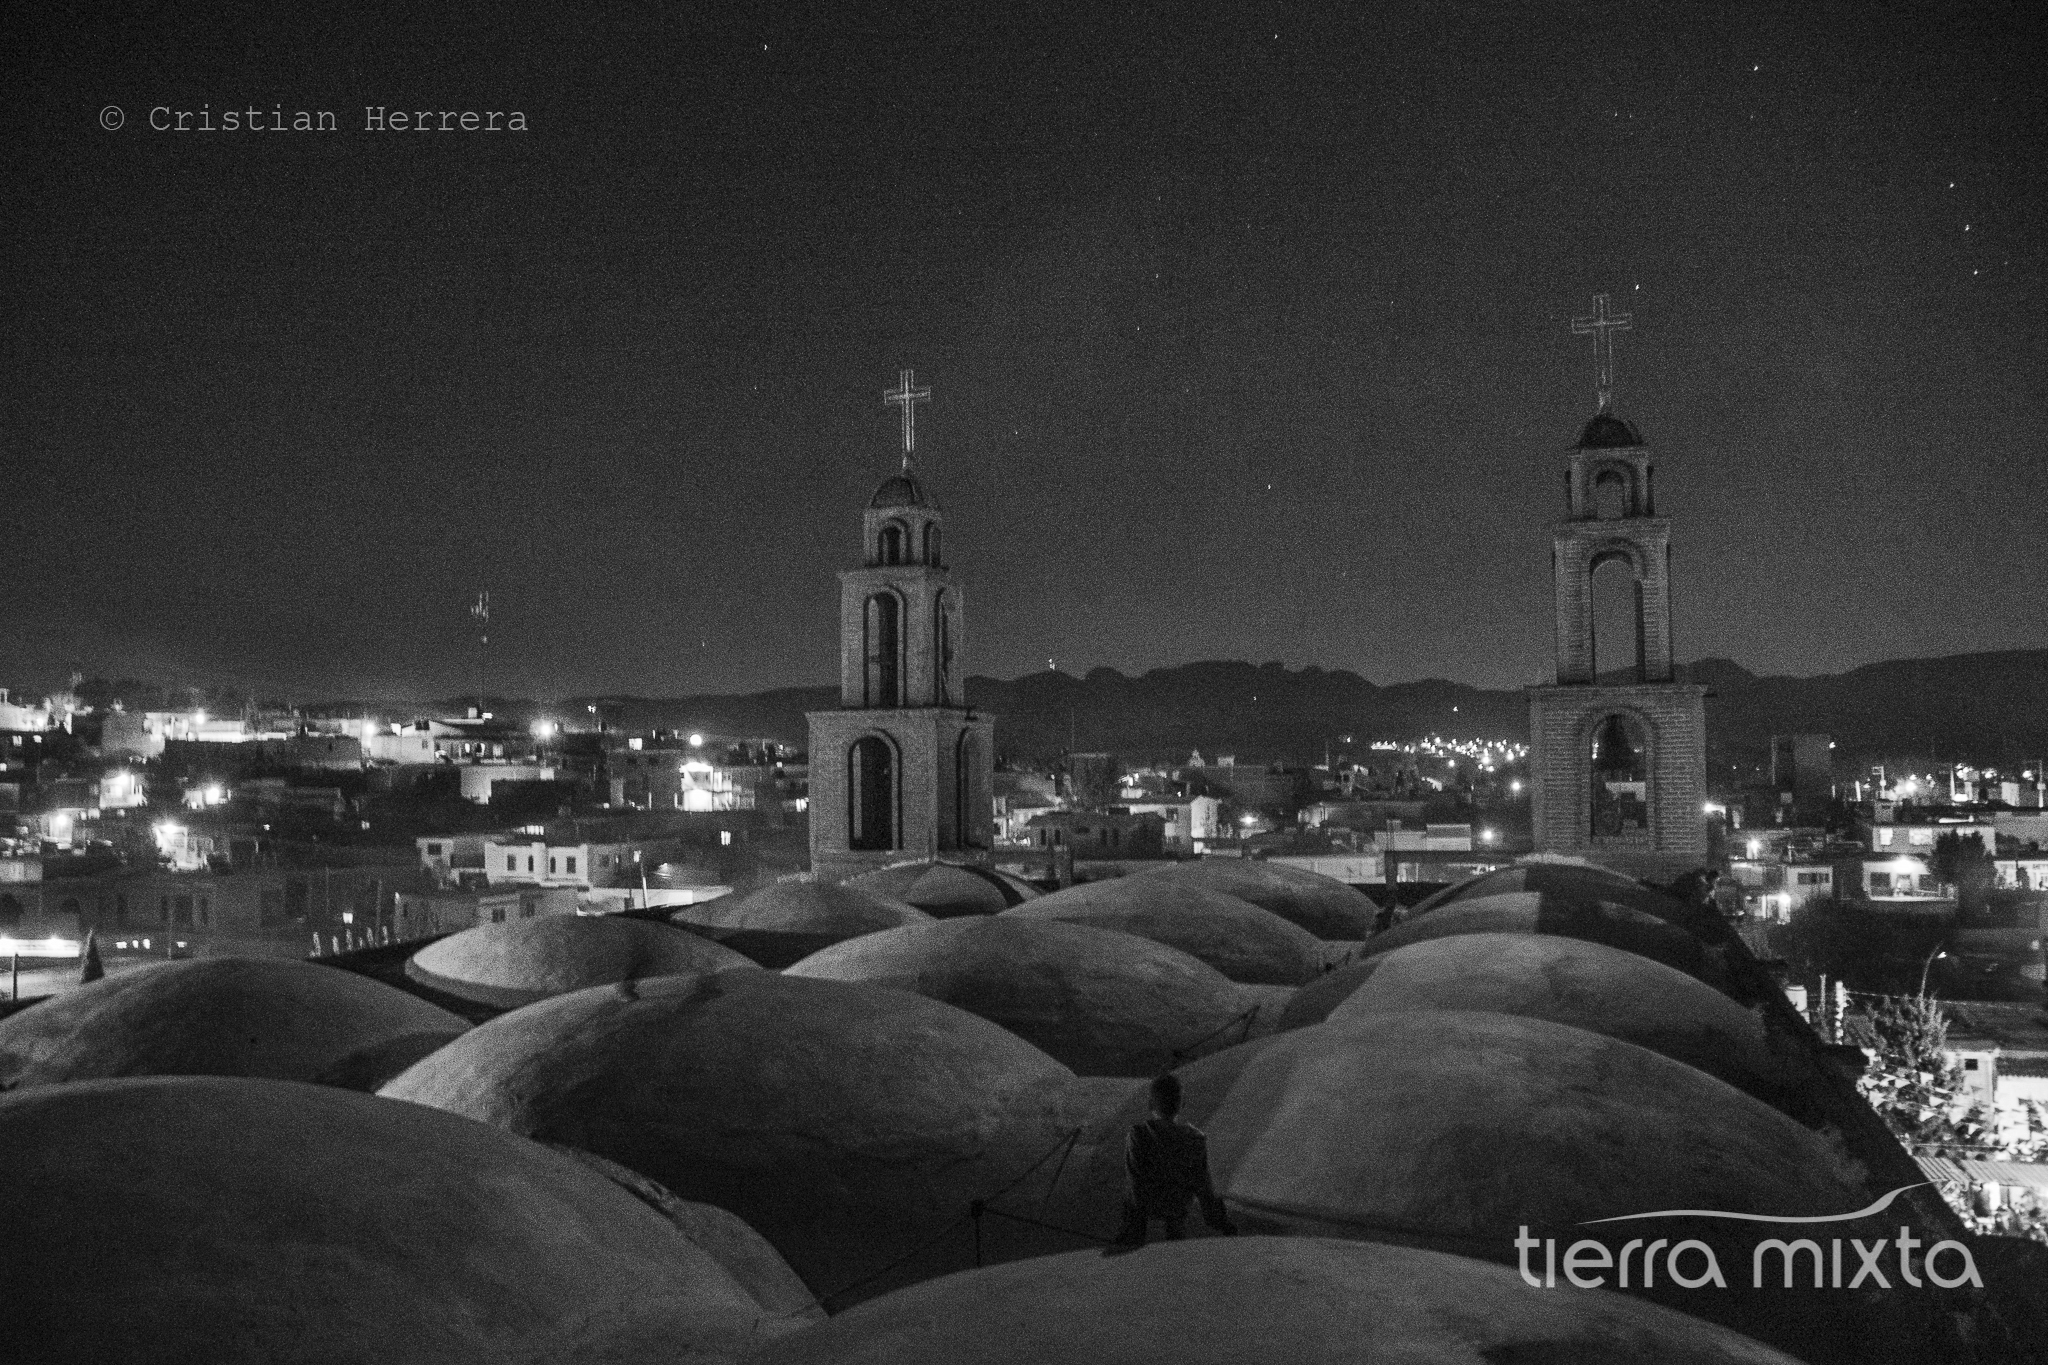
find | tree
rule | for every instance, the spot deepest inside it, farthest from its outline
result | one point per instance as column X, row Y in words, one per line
column 1961, row 861
column 1913, row 1082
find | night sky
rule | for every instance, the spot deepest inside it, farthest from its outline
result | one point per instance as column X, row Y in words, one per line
column 1247, row 329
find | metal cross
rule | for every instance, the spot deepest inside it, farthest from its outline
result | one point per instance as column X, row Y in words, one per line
column 1601, row 327
column 907, row 395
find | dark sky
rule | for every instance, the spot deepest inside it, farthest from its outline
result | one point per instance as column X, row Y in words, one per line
column 1247, row 329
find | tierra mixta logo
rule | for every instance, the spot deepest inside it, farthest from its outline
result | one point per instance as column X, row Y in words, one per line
column 1693, row 1264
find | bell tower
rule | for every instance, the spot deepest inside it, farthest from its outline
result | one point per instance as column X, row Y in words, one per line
column 902, row 770
column 1619, row 762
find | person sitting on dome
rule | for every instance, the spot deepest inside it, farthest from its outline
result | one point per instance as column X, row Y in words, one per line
column 1168, row 1161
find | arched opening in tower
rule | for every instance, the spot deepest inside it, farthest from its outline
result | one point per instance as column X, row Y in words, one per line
column 1611, row 495
column 1616, row 619
column 882, row 627
column 963, row 792
column 1620, row 781
column 942, row 648
column 871, row 794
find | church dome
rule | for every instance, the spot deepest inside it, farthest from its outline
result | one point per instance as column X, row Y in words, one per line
column 1596, row 920
column 900, row 490
column 521, row 961
column 1604, row 432
column 1567, row 981
column 1257, row 1301
column 785, row 921
column 850, row 1125
column 945, row 890
column 1456, row 1130
column 1243, row 941
column 1103, row 1002
column 183, row 1218
column 225, row 1016
column 1322, row 905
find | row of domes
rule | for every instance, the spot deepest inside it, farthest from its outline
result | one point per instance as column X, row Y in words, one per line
column 1550, row 1051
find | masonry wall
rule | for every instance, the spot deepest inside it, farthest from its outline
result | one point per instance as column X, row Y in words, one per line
column 926, row 740
column 1575, row 544
column 1561, row 724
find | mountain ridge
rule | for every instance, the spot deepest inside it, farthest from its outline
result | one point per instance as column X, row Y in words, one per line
column 1989, row 707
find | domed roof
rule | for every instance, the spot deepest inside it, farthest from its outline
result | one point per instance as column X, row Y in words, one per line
column 1567, row 981
column 946, row 889
column 1257, row 1301
column 1413, row 1094
column 785, row 921
column 1608, row 432
column 1103, row 1002
column 847, row 1124
column 1567, row 880
column 236, row 1220
column 900, row 490
column 1322, row 905
column 1534, row 912
column 521, row 961
column 740, row 1251
column 1457, row 1130
column 225, row 1016
column 1237, row 938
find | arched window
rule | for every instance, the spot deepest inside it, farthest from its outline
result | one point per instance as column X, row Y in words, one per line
column 871, row 794
column 883, row 629
column 1620, row 771
column 1611, row 495
column 892, row 544
column 967, row 829
column 942, row 648
column 1615, row 619
column 931, row 543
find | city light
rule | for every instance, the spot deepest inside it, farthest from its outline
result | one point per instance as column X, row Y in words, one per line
column 696, row 741
column 1515, row 787
column 1487, row 836
column 543, row 729
column 38, row 947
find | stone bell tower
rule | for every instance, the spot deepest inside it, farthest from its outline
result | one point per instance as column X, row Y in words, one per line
column 902, row 770
column 1619, row 764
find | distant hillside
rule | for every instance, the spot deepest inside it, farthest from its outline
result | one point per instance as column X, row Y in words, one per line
column 1990, row 707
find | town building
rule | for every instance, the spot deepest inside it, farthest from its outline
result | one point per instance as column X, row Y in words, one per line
column 2022, row 873
column 1803, row 777
column 1100, row 833
column 1894, row 882
column 1901, row 836
column 1192, row 823
column 540, row 862
column 1773, row 888
column 1619, row 768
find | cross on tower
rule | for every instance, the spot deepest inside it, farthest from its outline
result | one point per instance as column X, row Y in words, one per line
column 907, row 395
column 1601, row 327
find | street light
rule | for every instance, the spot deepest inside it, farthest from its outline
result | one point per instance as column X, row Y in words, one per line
column 1927, row 966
